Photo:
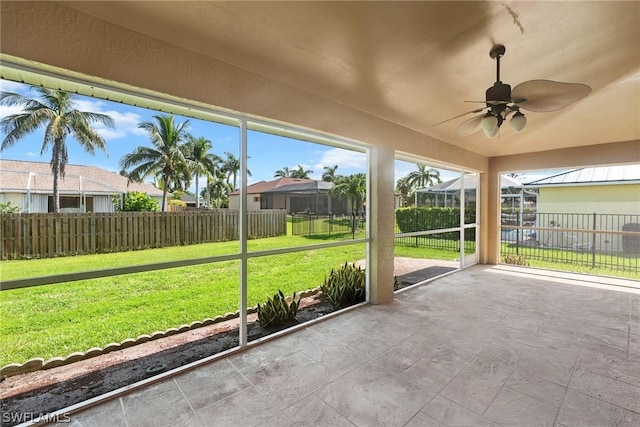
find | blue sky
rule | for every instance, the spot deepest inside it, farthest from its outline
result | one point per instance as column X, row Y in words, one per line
column 267, row 153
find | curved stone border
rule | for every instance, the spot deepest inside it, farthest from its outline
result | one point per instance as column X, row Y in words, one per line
column 39, row 363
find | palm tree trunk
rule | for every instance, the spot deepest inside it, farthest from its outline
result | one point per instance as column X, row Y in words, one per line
column 208, row 194
column 56, row 191
column 164, row 197
column 197, row 192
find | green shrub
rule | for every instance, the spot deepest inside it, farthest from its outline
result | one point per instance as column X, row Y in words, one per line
column 8, row 208
column 515, row 260
column 134, row 201
column 277, row 310
column 345, row 286
column 421, row 219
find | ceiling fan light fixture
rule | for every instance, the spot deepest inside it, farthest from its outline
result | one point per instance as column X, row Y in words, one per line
column 492, row 132
column 489, row 124
column 518, row 121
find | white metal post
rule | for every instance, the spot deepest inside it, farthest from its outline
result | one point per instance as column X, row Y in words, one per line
column 462, row 207
column 242, row 232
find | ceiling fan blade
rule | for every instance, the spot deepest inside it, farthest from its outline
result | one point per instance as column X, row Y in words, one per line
column 470, row 126
column 460, row 115
column 547, row 95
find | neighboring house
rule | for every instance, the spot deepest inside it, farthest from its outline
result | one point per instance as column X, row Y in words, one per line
column 610, row 192
column 447, row 194
column 29, row 185
column 292, row 194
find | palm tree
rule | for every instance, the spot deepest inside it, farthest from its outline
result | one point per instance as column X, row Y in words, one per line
column 218, row 189
column 405, row 190
column 166, row 158
column 423, row 177
column 301, row 173
column 211, row 175
column 353, row 187
column 55, row 110
column 329, row 174
column 231, row 166
column 285, row 172
column 200, row 160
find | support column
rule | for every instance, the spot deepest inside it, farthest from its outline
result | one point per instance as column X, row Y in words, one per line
column 490, row 194
column 381, row 212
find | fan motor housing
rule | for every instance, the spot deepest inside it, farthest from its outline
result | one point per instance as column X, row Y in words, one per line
column 498, row 96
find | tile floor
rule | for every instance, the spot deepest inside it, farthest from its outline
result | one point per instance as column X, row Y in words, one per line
column 482, row 347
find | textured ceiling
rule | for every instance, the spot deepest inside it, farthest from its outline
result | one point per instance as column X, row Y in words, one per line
column 415, row 63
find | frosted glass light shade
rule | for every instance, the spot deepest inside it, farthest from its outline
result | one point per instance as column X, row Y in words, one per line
column 489, row 123
column 518, row 121
column 492, row 133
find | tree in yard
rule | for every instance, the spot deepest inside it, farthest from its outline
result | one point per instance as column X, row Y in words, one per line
column 201, row 160
column 423, row 177
column 352, row 187
column 231, row 166
column 285, row 172
column 217, row 191
column 406, row 191
column 329, row 174
column 166, row 158
column 301, row 173
column 56, row 111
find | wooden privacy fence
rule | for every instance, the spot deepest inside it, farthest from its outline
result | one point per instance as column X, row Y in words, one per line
column 50, row 235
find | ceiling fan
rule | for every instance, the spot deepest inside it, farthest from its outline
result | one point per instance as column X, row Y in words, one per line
column 502, row 101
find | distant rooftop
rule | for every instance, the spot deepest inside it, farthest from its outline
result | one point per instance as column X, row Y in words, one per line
column 20, row 176
column 623, row 174
column 291, row 184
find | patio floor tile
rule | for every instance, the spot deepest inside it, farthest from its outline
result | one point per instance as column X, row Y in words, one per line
column 210, row 383
column 291, row 379
column 372, row 395
column 159, row 404
column 584, row 411
column 512, row 408
column 452, row 414
column 488, row 346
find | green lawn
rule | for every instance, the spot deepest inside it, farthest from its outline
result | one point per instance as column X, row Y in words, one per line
column 55, row 320
column 578, row 262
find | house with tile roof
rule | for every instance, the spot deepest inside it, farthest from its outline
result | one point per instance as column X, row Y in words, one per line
column 295, row 195
column 29, row 185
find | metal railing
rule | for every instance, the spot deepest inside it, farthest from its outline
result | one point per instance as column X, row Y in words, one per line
column 610, row 241
column 327, row 225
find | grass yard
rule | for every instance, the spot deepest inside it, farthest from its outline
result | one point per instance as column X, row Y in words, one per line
column 55, row 320
column 578, row 262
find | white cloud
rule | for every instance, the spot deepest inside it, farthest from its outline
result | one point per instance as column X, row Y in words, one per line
column 32, row 154
column 345, row 159
column 125, row 123
column 6, row 110
column 109, row 134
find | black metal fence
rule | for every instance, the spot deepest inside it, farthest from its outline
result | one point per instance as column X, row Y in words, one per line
column 327, row 225
column 451, row 242
column 610, row 241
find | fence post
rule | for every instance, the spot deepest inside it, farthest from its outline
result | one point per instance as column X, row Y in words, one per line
column 353, row 225
column 593, row 242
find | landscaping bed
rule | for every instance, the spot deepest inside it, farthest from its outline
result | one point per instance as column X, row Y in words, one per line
column 50, row 390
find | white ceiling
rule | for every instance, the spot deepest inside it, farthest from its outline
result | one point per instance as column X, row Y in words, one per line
column 415, row 63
